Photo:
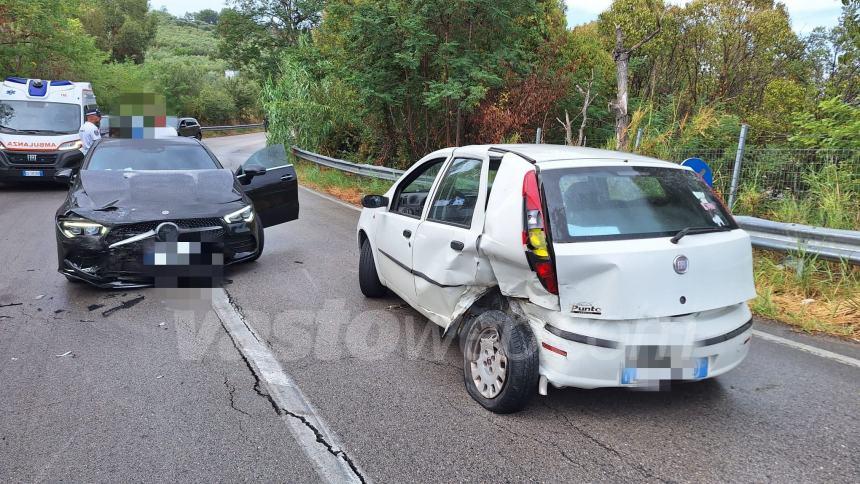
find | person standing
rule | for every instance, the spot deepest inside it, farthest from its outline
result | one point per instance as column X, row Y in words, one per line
column 90, row 129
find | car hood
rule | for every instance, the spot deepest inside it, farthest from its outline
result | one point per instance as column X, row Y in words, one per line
column 135, row 196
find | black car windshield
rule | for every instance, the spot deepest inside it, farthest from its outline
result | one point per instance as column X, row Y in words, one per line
column 39, row 117
column 139, row 155
column 629, row 202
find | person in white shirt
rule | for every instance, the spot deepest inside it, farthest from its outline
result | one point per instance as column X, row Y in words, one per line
column 90, row 130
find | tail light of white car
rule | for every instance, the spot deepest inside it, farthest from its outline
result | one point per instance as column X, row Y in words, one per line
column 535, row 237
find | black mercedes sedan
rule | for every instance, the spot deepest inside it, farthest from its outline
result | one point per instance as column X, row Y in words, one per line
column 144, row 212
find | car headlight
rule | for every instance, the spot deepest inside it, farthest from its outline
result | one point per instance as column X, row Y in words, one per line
column 245, row 214
column 77, row 228
column 70, row 145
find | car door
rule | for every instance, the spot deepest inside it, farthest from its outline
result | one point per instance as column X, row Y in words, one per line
column 445, row 252
column 395, row 228
column 274, row 192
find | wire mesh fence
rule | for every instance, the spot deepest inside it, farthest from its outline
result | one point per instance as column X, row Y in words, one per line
column 814, row 186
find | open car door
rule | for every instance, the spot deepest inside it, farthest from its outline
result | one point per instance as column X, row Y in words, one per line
column 269, row 180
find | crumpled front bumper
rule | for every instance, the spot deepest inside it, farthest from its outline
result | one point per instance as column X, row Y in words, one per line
column 583, row 353
column 91, row 260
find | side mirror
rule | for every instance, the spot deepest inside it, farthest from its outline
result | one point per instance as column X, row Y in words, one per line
column 64, row 176
column 374, row 201
column 253, row 170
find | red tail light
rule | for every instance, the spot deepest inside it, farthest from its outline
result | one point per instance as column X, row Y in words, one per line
column 534, row 234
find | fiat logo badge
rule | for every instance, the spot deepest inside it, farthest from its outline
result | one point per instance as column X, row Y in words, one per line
column 681, row 264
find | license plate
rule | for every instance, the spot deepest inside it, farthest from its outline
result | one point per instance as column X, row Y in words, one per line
column 655, row 363
column 33, row 173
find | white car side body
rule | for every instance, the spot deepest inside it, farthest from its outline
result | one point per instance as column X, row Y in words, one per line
column 633, row 295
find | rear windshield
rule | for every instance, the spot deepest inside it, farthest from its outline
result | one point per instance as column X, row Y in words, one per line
column 150, row 155
column 610, row 203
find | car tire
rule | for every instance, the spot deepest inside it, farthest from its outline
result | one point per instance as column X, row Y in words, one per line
column 260, row 246
column 368, row 279
column 500, row 361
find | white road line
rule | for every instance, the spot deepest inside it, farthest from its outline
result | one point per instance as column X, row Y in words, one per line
column 330, row 198
column 809, row 349
column 320, row 444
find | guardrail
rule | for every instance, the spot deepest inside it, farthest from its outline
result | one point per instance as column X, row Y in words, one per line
column 372, row 171
column 227, row 128
column 830, row 244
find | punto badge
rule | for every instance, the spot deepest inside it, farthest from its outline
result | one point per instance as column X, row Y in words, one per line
column 681, row 264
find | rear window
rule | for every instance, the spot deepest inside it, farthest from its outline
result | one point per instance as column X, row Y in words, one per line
column 610, row 203
column 150, row 155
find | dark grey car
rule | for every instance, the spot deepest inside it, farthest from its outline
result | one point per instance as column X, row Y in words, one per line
column 189, row 127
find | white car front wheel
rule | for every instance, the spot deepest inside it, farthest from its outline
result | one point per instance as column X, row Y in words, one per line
column 500, row 361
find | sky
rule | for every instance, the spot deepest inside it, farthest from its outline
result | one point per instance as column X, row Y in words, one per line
column 805, row 14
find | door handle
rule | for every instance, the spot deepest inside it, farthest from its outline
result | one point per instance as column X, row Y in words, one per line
column 407, row 233
column 288, row 178
column 457, row 245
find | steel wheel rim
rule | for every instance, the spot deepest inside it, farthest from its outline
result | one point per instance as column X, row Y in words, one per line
column 488, row 363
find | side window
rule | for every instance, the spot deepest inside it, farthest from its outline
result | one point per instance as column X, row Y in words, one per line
column 458, row 193
column 411, row 196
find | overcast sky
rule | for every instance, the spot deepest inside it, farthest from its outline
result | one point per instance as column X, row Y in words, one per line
column 805, row 14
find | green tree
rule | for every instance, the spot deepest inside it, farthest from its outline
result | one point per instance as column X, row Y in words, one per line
column 835, row 124
column 45, row 40
column 124, row 28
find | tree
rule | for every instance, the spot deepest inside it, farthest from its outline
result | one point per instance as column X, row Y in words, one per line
column 253, row 32
column 45, row 40
column 621, row 56
column 123, row 28
column 206, row 16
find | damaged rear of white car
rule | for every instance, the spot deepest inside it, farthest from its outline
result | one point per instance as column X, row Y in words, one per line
column 566, row 266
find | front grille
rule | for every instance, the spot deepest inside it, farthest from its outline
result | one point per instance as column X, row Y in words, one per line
column 122, row 232
column 31, row 158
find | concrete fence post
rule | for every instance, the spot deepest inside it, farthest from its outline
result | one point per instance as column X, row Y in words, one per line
column 638, row 139
column 538, row 136
column 736, row 172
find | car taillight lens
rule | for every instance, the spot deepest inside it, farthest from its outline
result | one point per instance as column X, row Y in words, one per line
column 534, row 234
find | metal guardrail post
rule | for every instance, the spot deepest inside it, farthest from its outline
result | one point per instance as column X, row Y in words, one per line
column 736, row 172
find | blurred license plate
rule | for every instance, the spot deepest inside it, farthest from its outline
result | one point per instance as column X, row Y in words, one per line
column 652, row 363
column 184, row 254
column 33, row 173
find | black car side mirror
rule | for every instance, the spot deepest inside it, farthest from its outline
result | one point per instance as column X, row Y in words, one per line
column 374, row 201
column 64, row 176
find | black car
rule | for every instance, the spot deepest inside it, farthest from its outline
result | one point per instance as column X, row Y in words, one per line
column 143, row 209
column 189, row 127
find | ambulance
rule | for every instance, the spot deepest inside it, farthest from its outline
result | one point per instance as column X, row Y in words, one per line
column 39, row 123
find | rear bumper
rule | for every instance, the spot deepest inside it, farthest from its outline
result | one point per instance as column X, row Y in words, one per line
column 14, row 165
column 603, row 353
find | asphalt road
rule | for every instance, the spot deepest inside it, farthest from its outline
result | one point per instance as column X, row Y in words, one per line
column 133, row 399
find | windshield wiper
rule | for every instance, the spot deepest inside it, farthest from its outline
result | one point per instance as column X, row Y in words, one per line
column 10, row 129
column 697, row 230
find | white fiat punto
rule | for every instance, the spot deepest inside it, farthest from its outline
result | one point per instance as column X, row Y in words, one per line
column 568, row 266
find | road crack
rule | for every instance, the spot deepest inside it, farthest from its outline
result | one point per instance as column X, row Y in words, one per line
column 282, row 411
column 231, row 390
